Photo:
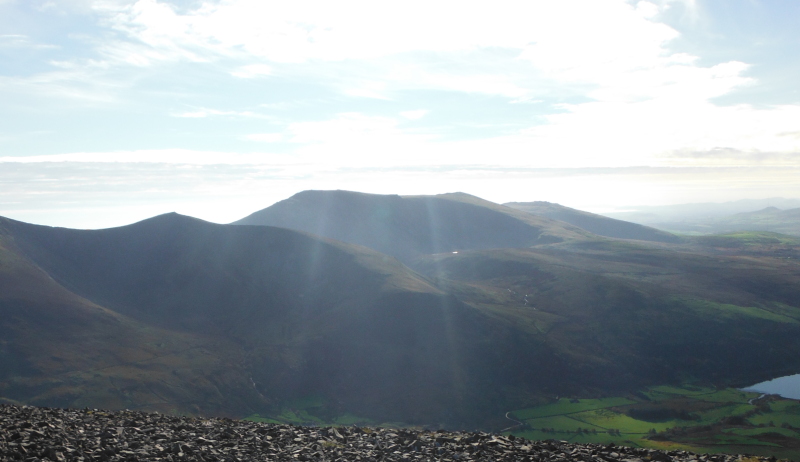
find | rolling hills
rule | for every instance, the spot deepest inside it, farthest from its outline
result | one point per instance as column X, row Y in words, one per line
column 769, row 219
column 705, row 219
column 279, row 314
column 470, row 310
column 597, row 224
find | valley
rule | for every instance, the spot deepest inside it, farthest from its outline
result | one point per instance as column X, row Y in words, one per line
column 431, row 311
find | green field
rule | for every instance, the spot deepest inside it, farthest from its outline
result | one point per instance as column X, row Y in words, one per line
column 697, row 419
column 703, row 420
column 565, row 406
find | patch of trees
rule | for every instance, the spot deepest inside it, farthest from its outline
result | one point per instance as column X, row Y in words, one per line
column 660, row 414
column 579, row 431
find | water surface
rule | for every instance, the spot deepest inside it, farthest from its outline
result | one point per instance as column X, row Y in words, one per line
column 788, row 387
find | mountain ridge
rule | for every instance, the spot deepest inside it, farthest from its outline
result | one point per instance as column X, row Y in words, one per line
column 597, row 224
column 244, row 319
column 406, row 226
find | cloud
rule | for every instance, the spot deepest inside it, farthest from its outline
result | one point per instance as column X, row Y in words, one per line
column 414, row 115
column 611, row 91
column 201, row 113
column 513, row 49
column 516, row 49
column 252, row 70
column 156, row 156
column 658, row 131
column 23, row 41
column 307, row 30
column 265, row 137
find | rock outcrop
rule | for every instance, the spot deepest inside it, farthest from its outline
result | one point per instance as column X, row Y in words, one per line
column 30, row 433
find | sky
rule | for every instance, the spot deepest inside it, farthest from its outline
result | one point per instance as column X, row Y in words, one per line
column 113, row 111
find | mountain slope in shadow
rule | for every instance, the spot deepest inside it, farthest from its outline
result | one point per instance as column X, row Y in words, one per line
column 408, row 226
column 179, row 315
column 284, row 314
column 60, row 349
column 628, row 314
column 597, row 224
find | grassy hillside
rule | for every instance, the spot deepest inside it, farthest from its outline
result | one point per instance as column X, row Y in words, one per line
column 296, row 315
column 405, row 227
column 60, row 349
column 178, row 314
column 629, row 315
column 597, row 224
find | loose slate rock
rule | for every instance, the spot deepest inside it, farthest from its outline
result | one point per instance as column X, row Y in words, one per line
column 30, row 433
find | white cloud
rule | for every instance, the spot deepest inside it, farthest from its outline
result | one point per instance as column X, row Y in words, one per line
column 353, row 140
column 414, row 115
column 201, row 113
column 265, row 137
column 647, row 9
column 399, row 46
column 22, row 41
column 252, row 70
column 642, row 104
column 156, row 156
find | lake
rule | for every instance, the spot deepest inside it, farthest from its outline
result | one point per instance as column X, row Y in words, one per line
column 788, row 387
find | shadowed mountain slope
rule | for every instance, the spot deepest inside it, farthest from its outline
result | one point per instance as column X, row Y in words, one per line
column 407, row 226
column 625, row 312
column 60, row 349
column 280, row 314
column 180, row 315
column 597, row 224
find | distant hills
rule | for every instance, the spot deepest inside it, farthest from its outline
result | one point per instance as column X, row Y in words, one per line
column 777, row 215
column 648, row 214
column 597, row 224
column 770, row 219
column 432, row 310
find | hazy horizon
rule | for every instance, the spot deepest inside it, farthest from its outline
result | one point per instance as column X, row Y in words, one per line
column 118, row 110
column 632, row 213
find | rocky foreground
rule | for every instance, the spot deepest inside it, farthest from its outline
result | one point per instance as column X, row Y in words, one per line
column 31, row 433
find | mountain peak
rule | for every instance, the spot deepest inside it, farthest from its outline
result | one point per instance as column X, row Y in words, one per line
column 408, row 226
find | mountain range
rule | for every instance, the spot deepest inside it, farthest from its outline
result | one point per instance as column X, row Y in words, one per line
column 770, row 219
column 438, row 310
column 597, row 224
column 777, row 215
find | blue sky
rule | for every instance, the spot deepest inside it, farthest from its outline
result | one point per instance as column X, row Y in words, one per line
column 113, row 111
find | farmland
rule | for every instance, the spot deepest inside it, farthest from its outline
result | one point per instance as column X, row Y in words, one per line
column 693, row 418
